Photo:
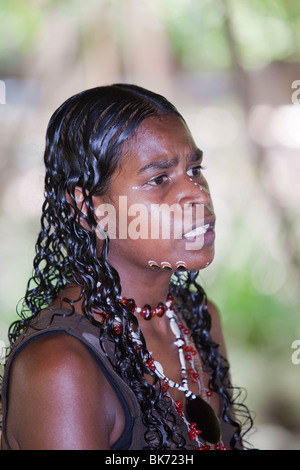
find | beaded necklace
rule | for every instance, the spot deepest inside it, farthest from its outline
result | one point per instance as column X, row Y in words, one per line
column 198, row 415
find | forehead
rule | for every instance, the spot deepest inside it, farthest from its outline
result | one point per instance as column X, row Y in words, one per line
column 160, row 137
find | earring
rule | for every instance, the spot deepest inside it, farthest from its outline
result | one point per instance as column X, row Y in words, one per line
column 180, row 266
column 153, row 264
column 166, row 266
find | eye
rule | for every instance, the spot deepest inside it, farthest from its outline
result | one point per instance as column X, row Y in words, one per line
column 158, row 180
column 195, row 171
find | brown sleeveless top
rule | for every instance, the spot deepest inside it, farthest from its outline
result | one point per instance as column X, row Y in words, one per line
column 60, row 320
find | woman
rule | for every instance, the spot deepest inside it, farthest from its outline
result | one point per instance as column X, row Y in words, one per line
column 117, row 346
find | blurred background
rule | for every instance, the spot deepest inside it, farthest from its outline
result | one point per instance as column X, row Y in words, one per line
column 233, row 70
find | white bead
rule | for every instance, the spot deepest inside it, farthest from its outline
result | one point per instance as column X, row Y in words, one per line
column 175, row 328
column 159, row 367
column 182, row 358
column 179, row 343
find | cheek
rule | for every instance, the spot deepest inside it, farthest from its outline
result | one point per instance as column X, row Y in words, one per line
column 149, row 222
column 138, row 222
column 151, row 236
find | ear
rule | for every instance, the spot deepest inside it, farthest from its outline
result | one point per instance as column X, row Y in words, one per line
column 105, row 216
column 80, row 205
column 79, row 198
column 98, row 202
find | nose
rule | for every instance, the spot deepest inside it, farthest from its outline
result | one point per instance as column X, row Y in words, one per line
column 195, row 191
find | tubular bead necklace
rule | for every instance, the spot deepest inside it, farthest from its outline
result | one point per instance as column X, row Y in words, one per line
column 196, row 406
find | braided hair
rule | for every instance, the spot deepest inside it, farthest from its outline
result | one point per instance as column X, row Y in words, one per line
column 84, row 143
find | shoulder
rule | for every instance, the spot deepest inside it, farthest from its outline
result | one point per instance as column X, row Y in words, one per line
column 52, row 359
column 214, row 313
column 57, row 348
column 56, row 383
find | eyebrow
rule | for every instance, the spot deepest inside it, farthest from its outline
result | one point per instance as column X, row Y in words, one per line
column 164, row 164
column 194, row 157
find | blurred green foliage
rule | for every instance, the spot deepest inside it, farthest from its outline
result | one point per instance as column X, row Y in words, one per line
column 195, row 29
column 256, row 24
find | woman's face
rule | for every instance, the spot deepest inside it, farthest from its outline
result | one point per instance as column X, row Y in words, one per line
column 158, row 212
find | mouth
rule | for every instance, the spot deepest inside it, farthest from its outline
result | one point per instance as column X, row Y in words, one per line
column 199, row 230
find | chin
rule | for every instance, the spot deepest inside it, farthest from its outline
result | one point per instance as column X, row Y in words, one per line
column 200, row 260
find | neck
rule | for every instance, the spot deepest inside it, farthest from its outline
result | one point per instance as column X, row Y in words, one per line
column 146, row 287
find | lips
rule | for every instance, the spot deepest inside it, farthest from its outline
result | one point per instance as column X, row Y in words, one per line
column 201, row 229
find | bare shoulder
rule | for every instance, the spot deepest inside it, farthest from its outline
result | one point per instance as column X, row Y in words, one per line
column 214, row 314
column 57, row 359
column 56, row 394
column 52, row 353
column 216, row 326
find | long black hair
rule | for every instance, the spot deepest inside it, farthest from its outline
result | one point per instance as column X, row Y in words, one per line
column 84, row 142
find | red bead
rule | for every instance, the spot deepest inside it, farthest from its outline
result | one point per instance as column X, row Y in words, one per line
column 130, row 305
column 193, row 431
column 150, row 364
column 179, row 408
column 165, row 387
column 160, row 309
column 170, row 299
column 146, row 312
column 209, row 393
